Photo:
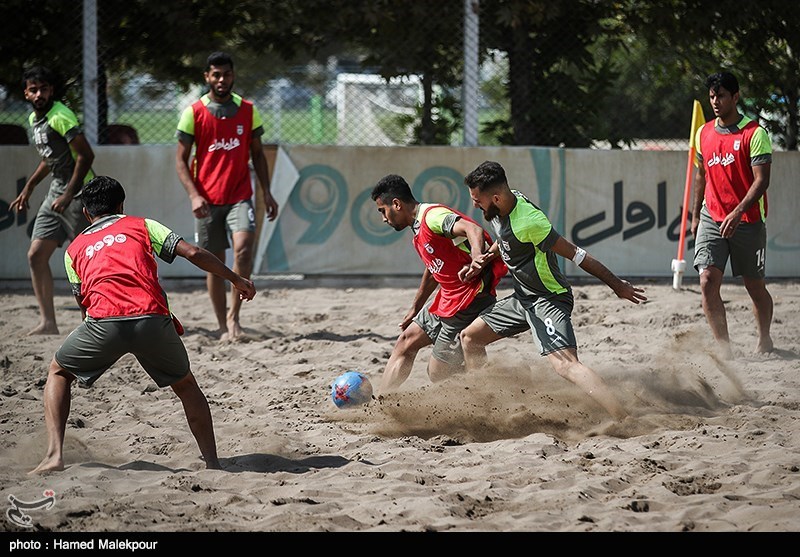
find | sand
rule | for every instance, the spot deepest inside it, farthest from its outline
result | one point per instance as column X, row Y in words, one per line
column 713, row 446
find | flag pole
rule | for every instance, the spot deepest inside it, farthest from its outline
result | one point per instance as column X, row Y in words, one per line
column 679, row 264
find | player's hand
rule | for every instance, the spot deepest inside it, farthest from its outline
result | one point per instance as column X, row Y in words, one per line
column 246, row 288
column 61, row 203
column 629, row 292
column 407, row 319
column 200, row 208
column 469, row 272
column 20, row 203
column 270, row 206
column 729, row 225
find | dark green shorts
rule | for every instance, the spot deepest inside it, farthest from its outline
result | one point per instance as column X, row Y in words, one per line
column 444, row 332
column 96, row 344
column 212, row 232
column 50, row 225
column 747, row 248
column 549, row 319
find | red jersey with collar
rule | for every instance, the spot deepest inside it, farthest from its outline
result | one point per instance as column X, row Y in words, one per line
column 444, row 260
column 118, row 270
column 222, row 155
column 729, row 171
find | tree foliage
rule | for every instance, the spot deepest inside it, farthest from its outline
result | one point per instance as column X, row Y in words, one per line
column 579, row 71
column 756, row 41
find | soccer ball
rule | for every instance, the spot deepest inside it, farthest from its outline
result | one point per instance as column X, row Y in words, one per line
column 351, row 388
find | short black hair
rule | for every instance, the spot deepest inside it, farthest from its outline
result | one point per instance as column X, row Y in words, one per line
column 219, row 59
column 486, row 176
column 43, row 74
column 102, row 196
column 722, row 79
column 390, row 187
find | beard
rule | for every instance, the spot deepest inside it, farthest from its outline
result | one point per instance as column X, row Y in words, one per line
column 491, row 212
column 223, row 90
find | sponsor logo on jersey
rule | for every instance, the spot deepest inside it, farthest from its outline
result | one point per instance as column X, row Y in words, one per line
column 224, row 144
column 435, row 266
column 724, row 161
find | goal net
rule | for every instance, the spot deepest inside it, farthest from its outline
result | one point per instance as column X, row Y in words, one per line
column 370, row 109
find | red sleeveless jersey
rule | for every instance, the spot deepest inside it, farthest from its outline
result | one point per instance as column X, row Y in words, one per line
column 118, row 271
column 444, row 260
column 221, row 171
column 729, row 172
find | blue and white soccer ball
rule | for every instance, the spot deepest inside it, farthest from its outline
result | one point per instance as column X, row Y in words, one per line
column 351, row 388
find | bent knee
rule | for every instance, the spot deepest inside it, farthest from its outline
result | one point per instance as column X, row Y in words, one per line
column 470, row 338
column 412, row 339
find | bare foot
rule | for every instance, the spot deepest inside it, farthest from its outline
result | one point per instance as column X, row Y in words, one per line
column 44, row 328
column 234, row 329
column 48, row 465
column 765, row 346
column 724, row 351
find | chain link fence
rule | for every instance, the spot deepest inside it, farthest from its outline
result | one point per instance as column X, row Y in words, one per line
column 574, row 73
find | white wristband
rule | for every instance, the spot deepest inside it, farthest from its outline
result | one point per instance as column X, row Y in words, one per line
column 580, row 253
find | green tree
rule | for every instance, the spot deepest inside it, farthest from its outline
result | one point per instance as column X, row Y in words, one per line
column 555, row 80
column 757, row 41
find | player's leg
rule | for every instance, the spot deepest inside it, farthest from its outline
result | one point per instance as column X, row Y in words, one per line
column 198, row 415
column 210, row 234
column 474, row 340
column 162, row 354
column 241, row 222
column 551, row 325
column 447, row 358
column 398, row 368
column 218, row 293
column 57, row 398
column 49, row 232
column 713, row 306
column 565, row 363
column 243, row 254
column 39, row 255
column 711, row 253
column 748, row 259
column 762, row 309
column 502, row 319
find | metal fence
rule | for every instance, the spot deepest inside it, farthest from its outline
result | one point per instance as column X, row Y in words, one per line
column 576, row 73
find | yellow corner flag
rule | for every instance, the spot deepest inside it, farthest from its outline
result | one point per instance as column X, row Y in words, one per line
column 697, row 122
column 678, row 264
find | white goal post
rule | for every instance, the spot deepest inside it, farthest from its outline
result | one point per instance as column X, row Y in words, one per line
column 368, row 107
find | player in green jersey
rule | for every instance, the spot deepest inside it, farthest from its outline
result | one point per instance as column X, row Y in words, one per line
column 68, row 156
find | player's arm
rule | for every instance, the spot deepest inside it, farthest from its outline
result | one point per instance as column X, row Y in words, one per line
column 262, row 173
column 622, row 288
column 208, row 262
column 761, row 175
column 699, row 184
column 474, row 235
column 74, row 283
column 478, row 264
column 84, row 157
column 66, row 124
column 182, row 154
column 427, row 285
column 699, row 195
column 21, row 201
